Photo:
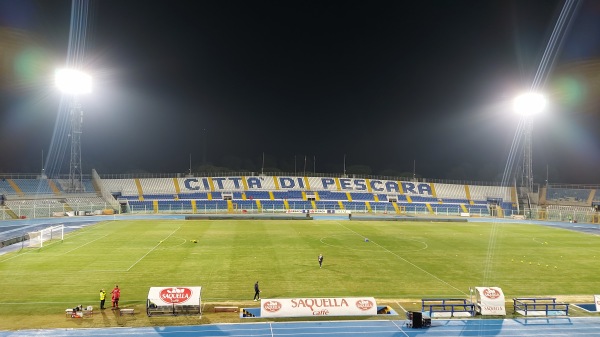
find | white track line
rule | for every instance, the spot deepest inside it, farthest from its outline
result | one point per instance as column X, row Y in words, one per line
column 403, row 259
column 400, row 328
column 153, row 248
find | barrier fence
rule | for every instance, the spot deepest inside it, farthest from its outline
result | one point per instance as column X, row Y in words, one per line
column 236, row 208
column 49, row 210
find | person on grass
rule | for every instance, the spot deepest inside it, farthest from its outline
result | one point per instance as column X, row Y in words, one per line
column 256, row 291
column 102, row 298
column 116, row 295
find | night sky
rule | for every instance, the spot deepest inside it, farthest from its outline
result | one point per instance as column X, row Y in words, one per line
column 392, row 86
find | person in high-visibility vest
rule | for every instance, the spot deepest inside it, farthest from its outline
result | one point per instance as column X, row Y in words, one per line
column 102, row 298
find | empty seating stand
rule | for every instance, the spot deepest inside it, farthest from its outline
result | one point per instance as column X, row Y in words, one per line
column 158, row 195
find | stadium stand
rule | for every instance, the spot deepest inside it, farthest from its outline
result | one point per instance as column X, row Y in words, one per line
column 298, row 199
column 568, row 195
column 263, row 195
column 361, row 196
column 35, row 197
column 22, row 187
column 290, row 195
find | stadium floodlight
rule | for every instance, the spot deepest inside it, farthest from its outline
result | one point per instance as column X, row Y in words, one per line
column 530, row 103
column 527, row 105
column 73, row 82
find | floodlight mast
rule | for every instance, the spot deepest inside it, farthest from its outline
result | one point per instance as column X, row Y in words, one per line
column 75, row 171
column 527, row 174
column 74, row 83
column 528, row 105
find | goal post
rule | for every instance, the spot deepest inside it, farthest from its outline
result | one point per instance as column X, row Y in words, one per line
column 37, row 238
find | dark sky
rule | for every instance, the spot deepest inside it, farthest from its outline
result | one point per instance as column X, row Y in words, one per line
column 393, row 85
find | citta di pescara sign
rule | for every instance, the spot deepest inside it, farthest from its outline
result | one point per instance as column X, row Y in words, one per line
column 328, row 306
column 217, row 184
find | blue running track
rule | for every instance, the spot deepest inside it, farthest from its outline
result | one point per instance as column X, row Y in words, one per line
column 526, row 327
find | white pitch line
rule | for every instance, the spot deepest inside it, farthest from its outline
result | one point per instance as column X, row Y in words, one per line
column 18, row 255
column 85, row 244
column 403, row 259
column 67, row 236
column 401, row 307
column 153, row 248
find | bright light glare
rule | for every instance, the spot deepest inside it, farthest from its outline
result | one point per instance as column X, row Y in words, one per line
column 73, row 82
column 530, row 103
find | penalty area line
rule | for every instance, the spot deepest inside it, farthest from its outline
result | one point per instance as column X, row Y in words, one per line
column 85, row 244
column 403, row 259
column 153, row 248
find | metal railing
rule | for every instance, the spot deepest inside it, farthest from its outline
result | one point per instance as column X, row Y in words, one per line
column 355, row 208
column 51, row 210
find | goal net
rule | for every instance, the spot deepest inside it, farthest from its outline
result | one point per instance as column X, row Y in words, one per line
column 38, row 238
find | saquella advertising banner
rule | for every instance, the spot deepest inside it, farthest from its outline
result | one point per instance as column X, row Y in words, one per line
column 325, row 306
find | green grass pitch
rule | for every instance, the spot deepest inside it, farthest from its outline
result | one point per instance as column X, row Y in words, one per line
column 400, row 260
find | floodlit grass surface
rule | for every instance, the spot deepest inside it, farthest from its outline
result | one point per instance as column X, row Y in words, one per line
column 400, row 263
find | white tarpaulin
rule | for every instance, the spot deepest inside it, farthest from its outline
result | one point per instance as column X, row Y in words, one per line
column 490, row 301
column 169, row 296
column 329, row 306
column 174, row 301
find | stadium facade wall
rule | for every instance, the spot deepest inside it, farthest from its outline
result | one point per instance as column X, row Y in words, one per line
column 174, row 186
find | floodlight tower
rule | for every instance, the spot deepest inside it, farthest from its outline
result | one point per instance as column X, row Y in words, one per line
column 528, row 105
column 73, row 83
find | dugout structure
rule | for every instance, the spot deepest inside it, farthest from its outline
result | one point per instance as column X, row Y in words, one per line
column 544, row 306
column 174, row 301
column 447, row 307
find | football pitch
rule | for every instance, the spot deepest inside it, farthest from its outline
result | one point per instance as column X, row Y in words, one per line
column 391, row 261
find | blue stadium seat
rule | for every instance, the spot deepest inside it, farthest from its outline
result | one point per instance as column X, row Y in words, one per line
column 568, row 194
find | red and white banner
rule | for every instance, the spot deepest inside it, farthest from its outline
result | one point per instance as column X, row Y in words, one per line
column 168, row 296
column 490, row 301
column 319, row 211
column 597, row 302
column 328, row 306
